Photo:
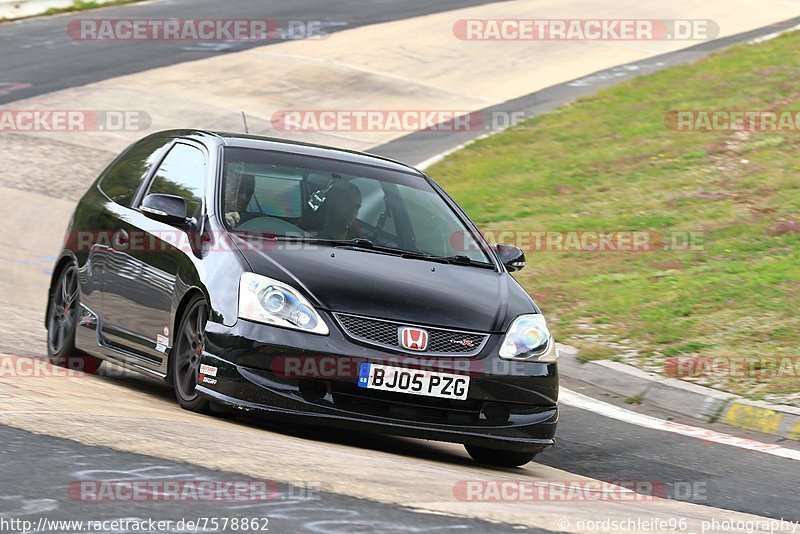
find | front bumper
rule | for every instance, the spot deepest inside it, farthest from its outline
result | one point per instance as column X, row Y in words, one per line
column 289, row 374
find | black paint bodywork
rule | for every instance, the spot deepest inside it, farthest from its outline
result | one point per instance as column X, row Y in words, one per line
column 129, row 298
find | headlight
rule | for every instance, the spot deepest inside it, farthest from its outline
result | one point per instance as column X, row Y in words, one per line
column 528, row 339
column 265, row 300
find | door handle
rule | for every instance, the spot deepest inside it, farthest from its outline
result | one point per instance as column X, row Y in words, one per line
column 120, row 240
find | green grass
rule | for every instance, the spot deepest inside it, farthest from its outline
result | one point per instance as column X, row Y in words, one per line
column 77, row 5
column 82, row 5
column 634, row 399
column 609, row 162
column 592, row 351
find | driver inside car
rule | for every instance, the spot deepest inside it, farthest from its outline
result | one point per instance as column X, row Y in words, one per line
column 337, row 214
column 238, row 192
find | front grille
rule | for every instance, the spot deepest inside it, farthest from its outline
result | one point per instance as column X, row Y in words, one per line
column 382, row 333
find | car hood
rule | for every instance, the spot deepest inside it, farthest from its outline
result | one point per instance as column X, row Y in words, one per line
column 384, row 286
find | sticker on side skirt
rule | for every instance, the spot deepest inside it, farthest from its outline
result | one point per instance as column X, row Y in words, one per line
column 208, row 370
column 209, row 380
column 162, row 342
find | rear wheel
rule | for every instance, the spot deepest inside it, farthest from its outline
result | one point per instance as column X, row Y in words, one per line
column 498, row 457
column 186, row 356
column 62, row 321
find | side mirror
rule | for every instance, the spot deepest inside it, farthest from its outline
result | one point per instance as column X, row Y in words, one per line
column 510, row 256
column 169, row 209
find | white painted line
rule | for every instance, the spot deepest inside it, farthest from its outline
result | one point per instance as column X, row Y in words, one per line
column 572, row 398
column 439, row 157
column 771, row 36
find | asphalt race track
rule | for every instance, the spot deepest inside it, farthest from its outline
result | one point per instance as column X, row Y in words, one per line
column 48, row 59
column 38, row 463
column 62, row 462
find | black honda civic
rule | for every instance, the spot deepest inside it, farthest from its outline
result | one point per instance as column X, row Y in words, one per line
column 309, row 284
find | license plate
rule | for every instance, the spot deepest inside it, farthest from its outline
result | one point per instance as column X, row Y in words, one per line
column 413, row 381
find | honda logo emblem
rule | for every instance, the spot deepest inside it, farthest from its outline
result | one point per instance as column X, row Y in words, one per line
column 413, row 338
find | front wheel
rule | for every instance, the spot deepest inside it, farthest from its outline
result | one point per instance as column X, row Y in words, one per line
column 498, row 457
column 62, row 320
column 186, row 355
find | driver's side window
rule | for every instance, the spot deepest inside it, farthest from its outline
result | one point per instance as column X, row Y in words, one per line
column 182, row 173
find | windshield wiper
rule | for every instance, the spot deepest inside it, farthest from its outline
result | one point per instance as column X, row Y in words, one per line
column 365, row 244
column 358, row 242
column 458, row 259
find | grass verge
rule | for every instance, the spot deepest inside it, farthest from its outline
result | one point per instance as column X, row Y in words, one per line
column 81, row 5
column 78, row 5
column 610, row 162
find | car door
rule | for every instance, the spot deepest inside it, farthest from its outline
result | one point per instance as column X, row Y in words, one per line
column 141, row 270
column 97, row 215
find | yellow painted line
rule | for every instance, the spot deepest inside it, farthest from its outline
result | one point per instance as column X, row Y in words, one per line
column 753, row 418
column 795, row 433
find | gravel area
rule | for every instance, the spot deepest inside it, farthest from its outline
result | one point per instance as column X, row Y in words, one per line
column 23, row 332
column 54, row 168
column 48, row 166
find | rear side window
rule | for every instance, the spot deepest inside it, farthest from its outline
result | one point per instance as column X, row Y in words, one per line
column 122, row 179
column 182, row 173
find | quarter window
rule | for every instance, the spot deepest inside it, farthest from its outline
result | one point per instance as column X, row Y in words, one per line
column 122, row 179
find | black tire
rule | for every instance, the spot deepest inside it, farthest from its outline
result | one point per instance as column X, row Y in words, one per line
column 185, row 356
column 500, row 458
column 62, row 320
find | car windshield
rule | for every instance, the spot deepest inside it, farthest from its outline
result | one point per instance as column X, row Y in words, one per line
column 307, row 198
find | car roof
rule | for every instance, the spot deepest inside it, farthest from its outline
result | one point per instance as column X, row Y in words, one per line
column 290, row 146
